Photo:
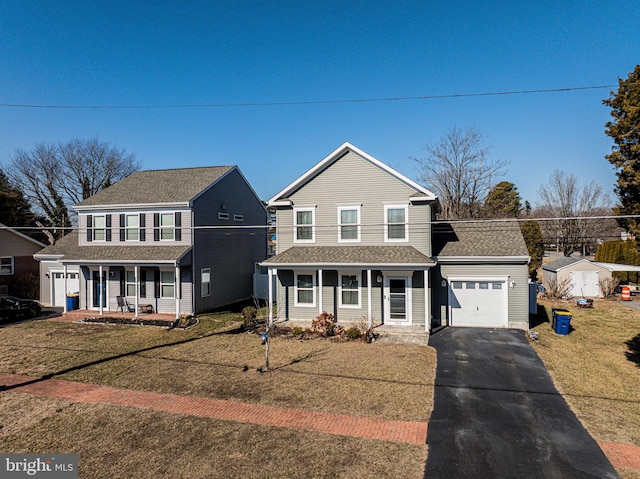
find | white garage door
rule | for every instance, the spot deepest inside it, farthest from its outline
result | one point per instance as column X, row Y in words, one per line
column 73, row 286
column 584, row 283
column 478, row 303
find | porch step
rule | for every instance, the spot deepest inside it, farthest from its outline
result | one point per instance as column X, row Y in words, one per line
column 402, row 334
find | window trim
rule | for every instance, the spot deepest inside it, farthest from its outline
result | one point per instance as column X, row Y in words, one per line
column 356, row 224
column 128, row 283
column 204, row 294
column 404, row 207
column 358, row 275
column 103, row 228
column 300, row 209
column 162, row 228
column 12, row 266
column 128, row 228
column 162, row 284
column 313, row 288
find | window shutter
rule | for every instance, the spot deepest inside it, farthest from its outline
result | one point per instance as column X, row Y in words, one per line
column 123, row 290
column 156, row 228
column 108, row 226
column 156, row 282
column 89, row 226
column 178, row 223
column 142, row 228
column 122, row 231
column 143, row 283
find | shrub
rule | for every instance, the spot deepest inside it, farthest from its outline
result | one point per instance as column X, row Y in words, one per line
column 297, row 330
column 557, row 289
column 249, row 313
column 352, row 333
column 608, row 287
column 324, row 324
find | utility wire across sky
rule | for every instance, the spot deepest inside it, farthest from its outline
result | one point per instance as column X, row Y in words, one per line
column 302, row 103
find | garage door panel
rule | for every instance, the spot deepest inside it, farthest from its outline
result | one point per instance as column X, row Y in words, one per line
column 478, row 303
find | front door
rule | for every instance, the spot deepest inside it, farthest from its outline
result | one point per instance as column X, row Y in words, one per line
column 397, row 301
column 99, row 289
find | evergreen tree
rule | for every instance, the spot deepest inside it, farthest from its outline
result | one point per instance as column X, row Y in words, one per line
column 624, row 129
column 503, row 201
column 532, row 235
column 15, row 209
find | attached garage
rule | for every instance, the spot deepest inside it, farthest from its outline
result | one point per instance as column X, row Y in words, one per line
column 482, row 275
column 478, row 302
column 58, row 293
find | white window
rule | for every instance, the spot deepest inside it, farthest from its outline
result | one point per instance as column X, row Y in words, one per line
column 205, row 288
column 166, row 226
column 131, row 283
column 305, row 289
column 167, row 284
column 349, row 221
column 396, row 223
column 304, row 229
column 99, row 225
column 6, row 265
column 132, row 225
column 350, row 290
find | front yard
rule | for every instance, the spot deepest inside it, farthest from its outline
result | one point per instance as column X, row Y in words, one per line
column 212, row 360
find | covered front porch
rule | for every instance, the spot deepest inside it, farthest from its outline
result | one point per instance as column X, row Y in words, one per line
column 380, row 285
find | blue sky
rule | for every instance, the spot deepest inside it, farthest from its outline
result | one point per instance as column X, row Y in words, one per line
column 112, row 53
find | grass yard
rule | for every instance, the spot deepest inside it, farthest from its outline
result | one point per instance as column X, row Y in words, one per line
column 597, row 367
column 212, row 360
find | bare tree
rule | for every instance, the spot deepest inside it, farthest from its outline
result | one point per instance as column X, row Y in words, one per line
column 571, row 204
column 458, row 169
column 55, row 177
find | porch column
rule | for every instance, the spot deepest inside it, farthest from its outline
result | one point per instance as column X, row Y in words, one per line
column 177, row 291
column 64, row 301
column 319, row 291
column 427, row 302
column 135, row 303
column 100, row 290
column 270, row 294
column 369, row 315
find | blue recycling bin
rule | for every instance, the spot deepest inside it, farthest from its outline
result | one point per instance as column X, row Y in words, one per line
column 561, row 321
column 73, row 302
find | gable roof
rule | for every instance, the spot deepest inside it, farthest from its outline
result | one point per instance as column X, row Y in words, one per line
column 21, row 235
column 420, row 191
column 489, row 239
column 158, row 186
column 561, row 263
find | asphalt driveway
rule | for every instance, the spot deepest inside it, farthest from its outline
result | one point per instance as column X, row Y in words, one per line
column 498, row 414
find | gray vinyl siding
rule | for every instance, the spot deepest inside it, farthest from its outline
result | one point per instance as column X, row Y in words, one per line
column 518, row 296
column 229, row 253
column 15, row 245
column 185, row 226
column 45, row 280
column 287, row 308
column 353, row 181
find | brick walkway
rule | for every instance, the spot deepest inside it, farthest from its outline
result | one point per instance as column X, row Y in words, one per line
column 401, row 431
column 620, row 455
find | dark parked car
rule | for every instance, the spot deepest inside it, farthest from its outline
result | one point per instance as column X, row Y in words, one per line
column 12, row 307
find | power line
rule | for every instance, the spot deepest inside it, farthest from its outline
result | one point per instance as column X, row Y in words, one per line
column 302, row 103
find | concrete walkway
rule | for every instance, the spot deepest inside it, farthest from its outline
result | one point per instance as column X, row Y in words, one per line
column 412, row 432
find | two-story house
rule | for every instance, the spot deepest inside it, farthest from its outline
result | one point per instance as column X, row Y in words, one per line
column 358, row 239
column 178, row 241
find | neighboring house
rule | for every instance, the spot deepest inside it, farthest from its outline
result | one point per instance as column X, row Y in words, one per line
column 582, row 276
column 183, row 241
column 357, row 239
column 16, row 260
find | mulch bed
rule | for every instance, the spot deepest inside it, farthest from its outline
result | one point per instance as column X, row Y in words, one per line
column 178, row 324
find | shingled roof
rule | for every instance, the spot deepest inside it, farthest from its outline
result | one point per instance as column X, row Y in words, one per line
column 350, row 256
column 67, row 246
column 478, row 238
column 158, row 186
